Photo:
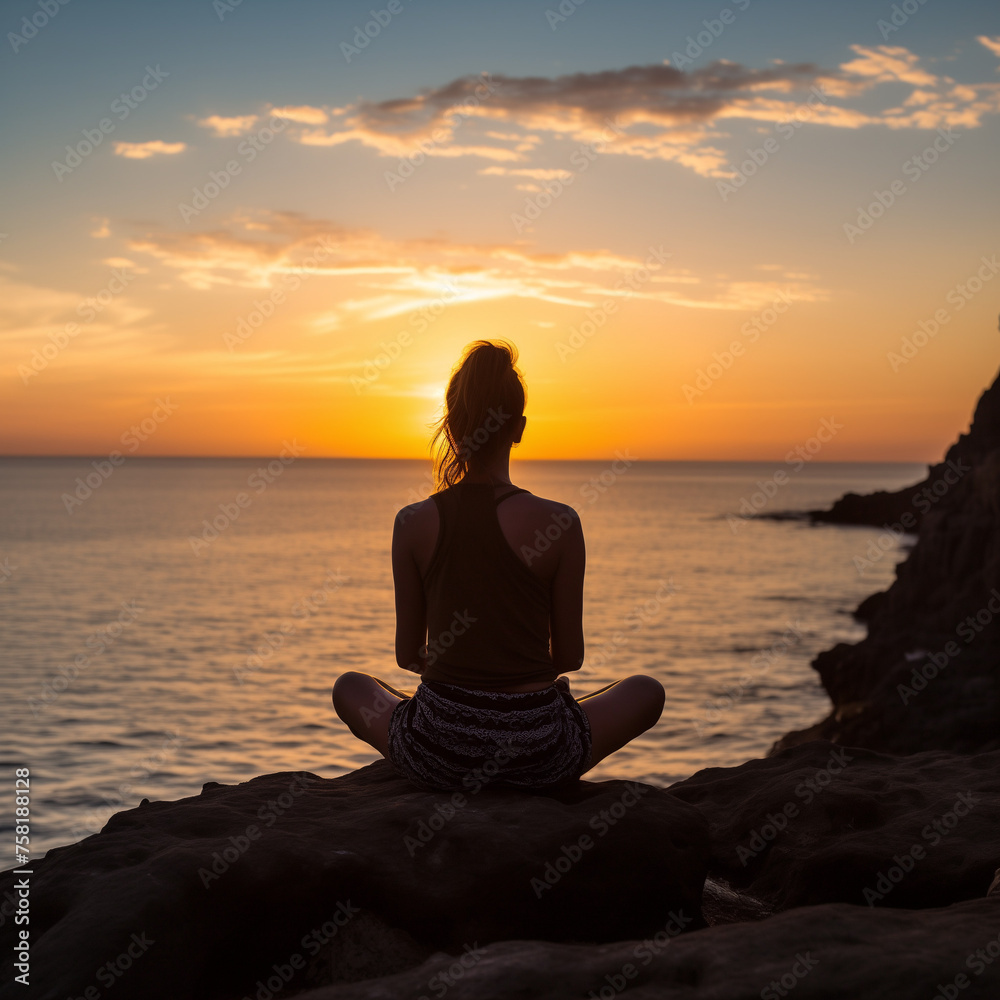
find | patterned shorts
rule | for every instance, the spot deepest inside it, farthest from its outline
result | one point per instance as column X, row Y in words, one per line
column 448, row 737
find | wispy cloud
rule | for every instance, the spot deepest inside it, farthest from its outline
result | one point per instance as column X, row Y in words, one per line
column 31, row 313
column 536, row 173
column 993, row 44
column 303, row 113
column 144, row 150
column 224, row 126
column 934, row 102
column 386, row 277
column 886, row 64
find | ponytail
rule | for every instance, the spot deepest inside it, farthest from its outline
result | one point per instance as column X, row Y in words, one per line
column 483, row 405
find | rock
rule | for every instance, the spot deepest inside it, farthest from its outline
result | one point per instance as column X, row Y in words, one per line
column 814, row 953
column 876, row 509
column 350, row 877
column 722, row 904
column 363, row 886
column 821, row 823
column 883, row 507
column 926, row 676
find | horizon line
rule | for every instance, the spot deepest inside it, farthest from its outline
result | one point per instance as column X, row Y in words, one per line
column 403, row 458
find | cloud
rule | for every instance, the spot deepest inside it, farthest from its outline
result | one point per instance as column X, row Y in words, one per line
column 993, row 44
column 653, row 112
column 369, row 277
column 537, row 173
column 303, row 113
column 102, row 228
column 435, row 144
column 887, row 63
column 31, row 317
column 934, row 102
column 252, row 249
column 144, row 150
column 223, row 126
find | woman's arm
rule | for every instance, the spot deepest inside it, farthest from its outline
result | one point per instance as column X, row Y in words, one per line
column 566, row 621
column 411, row 608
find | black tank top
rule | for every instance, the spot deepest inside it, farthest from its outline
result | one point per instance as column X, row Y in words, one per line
column 487, row 612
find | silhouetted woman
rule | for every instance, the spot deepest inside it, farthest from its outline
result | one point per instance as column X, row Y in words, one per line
column 489, row 611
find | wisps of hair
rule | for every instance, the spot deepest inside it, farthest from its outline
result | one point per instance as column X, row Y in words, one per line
column 483, row 403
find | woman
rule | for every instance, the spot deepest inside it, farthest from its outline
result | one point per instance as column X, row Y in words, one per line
column 489, row 611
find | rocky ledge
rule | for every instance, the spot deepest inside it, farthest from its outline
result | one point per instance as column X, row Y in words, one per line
column 833, row 952
column 927, row 675
column 349, row 877
column 839, row 872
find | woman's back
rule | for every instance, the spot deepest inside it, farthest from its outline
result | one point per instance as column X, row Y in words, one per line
column 499, row 571
column 533, row 527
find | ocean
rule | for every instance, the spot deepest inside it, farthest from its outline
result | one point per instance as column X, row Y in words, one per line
column 179, row 621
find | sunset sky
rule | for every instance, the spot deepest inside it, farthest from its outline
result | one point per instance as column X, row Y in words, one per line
column 252, row 222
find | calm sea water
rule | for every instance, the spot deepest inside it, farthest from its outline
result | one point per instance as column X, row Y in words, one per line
column 146, row 652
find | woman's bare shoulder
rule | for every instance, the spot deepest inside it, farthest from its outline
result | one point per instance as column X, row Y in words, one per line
column 530, row 515
column 417, row 517
column 546, row 507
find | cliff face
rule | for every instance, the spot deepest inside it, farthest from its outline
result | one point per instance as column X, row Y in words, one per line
column 907, row 507
column 927, row 676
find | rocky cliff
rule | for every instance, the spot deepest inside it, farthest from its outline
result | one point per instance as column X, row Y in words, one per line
column 882, row 507
column 927, row 676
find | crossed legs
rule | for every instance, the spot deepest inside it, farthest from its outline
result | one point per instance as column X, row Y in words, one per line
column 618, row 713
